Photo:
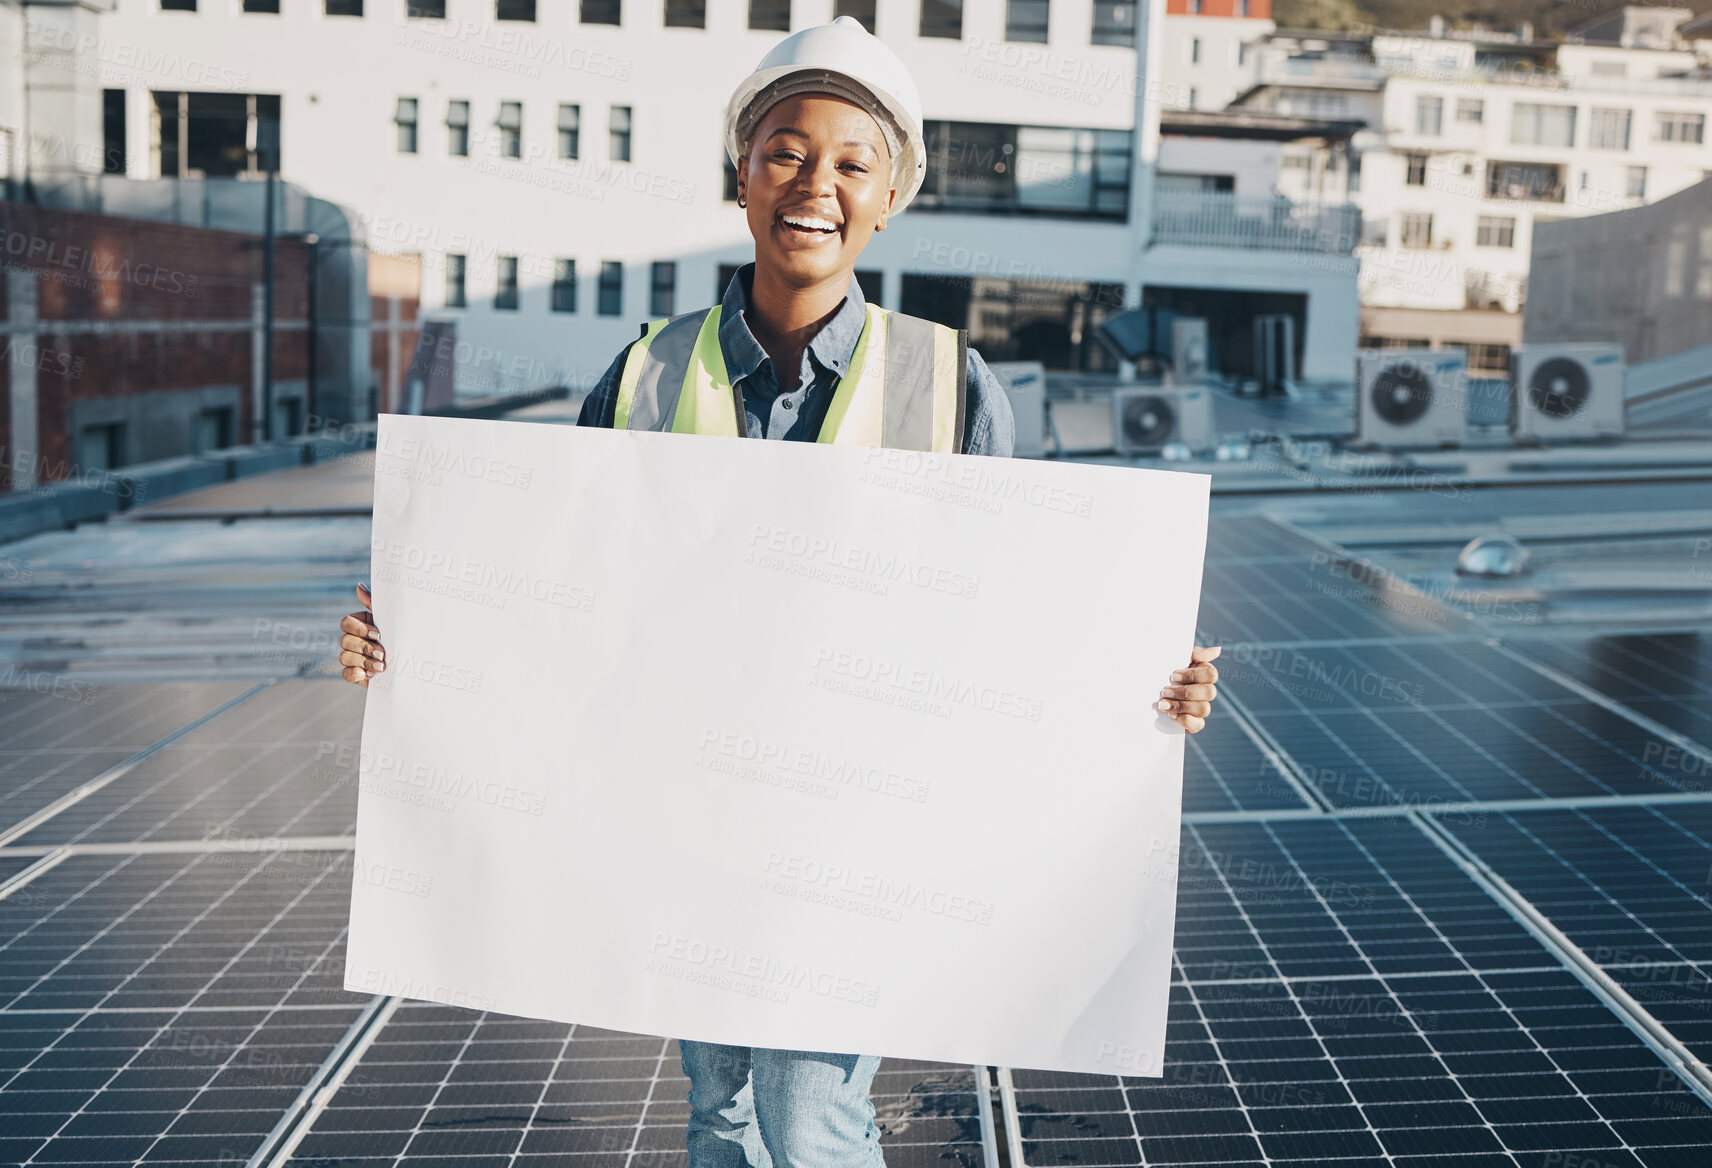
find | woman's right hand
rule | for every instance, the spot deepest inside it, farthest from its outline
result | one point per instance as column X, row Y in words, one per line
column 360, row 654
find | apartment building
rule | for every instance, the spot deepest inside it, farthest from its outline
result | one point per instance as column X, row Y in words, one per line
column 1471, row 140
column 554, row 167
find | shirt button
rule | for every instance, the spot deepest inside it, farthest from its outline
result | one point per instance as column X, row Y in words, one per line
column 786, row 403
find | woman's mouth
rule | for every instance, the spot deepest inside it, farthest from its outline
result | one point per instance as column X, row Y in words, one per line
column 808, row 227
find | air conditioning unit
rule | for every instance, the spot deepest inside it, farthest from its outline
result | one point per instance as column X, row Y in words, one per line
column 1561, row 393
column 1146, row 418
column 1082, row 426
column 1189, row 350
column 1412, row 397
column 1024, row 384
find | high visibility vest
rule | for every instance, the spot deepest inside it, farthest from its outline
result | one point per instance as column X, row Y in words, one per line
column 904, row 387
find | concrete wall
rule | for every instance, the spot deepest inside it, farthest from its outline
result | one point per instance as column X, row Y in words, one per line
column 1641, row 277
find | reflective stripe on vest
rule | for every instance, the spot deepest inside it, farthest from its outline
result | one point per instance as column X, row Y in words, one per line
column 904, row 388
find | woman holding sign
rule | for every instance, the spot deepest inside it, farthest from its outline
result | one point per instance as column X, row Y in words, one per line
column 827, row 139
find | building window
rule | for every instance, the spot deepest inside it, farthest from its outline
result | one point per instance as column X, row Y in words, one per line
column 213, row 430
column 1525, row 180
column 686, row 13
column 178, row 5
column 618, row 134
column 662, row 288
column 455, row 282
column 1532, row 124
column 729, row 193
column 112, row 133
column 505, row 287
column 770, row 15
column 262, row 6
column 570, row 130
column 1114, row 22
column 1194, row 50
column 101, row 447
column 514, row 10
column 1194, row 7
column 870, row 280
column 942, row 18
column 1194, row 98
column 1416, row 174
column 564, row 297
column 1241, row 7
column 425, row 9
column 1429, row 115
column 1680, row 127
column 405, row 118
column 1486, row 358
column 610, row 300
column 1242, row 53
column 1003, row 169
column 1415, row 229
column 510, row 126
column 343, row 7
column 458, row 129
column 1495, row 231
column 1470, row 109
column 1635, row 182
column 862, row 10
column 1025, row 20
column 599, row 12
column 1608, row 129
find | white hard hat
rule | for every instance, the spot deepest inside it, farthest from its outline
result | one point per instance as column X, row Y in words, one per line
column 845, row 60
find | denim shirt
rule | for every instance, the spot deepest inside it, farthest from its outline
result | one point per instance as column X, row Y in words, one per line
column 989, row 427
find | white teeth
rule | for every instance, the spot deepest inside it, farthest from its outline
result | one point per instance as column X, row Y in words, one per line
column 810, row 222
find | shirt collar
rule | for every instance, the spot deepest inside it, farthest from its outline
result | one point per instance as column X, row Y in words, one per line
column 831, row 348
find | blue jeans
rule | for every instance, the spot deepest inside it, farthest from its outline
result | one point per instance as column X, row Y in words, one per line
column 752, row 1107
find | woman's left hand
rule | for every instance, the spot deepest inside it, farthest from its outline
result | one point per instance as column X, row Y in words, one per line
column 1189, row 699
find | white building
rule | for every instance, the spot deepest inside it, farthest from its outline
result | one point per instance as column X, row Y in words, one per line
column 555, row 166
column 1473, row 139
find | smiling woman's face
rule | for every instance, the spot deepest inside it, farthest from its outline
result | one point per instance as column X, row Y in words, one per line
column 818, row 180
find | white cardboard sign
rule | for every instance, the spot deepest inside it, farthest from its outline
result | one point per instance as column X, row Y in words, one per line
column 776, row 744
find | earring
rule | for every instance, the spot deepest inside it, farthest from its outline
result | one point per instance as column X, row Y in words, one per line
column 741, row 201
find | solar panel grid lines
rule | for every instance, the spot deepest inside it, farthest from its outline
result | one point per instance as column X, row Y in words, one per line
column 1631, row 888
column 282, row 767
column 1510, row 1035
column 1229, row 767
column 1681, row 722
column 138, row 718
column 1498, row 724
column 442, row 1085
column 203, row 1056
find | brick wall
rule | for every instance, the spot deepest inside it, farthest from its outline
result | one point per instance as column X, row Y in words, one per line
column 129, row 307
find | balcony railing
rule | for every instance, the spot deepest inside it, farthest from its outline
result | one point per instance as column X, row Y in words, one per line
column 1263, row 222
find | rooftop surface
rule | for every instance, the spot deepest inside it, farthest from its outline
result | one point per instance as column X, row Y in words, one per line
column 1445, row 895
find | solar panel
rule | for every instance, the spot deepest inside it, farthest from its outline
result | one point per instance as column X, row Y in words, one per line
column 1255, row 537
column 1346, row 995
column 1630, row 886
column 1425, row 724
column 62, row 735
column 439, row 1082
column 167, row 1007
column 1310, row 598
column 282, row 763
column 1225, row 770
column 1666, row 676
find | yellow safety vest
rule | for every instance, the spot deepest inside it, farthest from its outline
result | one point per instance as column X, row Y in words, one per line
column 904, row 388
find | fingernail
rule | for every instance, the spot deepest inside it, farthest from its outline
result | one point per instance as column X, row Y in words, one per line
column 380, row 654
column 1162, row 705
column 1179, row 676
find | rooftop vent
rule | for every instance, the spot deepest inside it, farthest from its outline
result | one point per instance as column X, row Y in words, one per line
column 1492, row 557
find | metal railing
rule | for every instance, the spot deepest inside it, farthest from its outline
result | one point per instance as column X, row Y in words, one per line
column 1264, row 222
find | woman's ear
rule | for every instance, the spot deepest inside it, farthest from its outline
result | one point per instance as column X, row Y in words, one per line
column 891, row 197
column 742, row 178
